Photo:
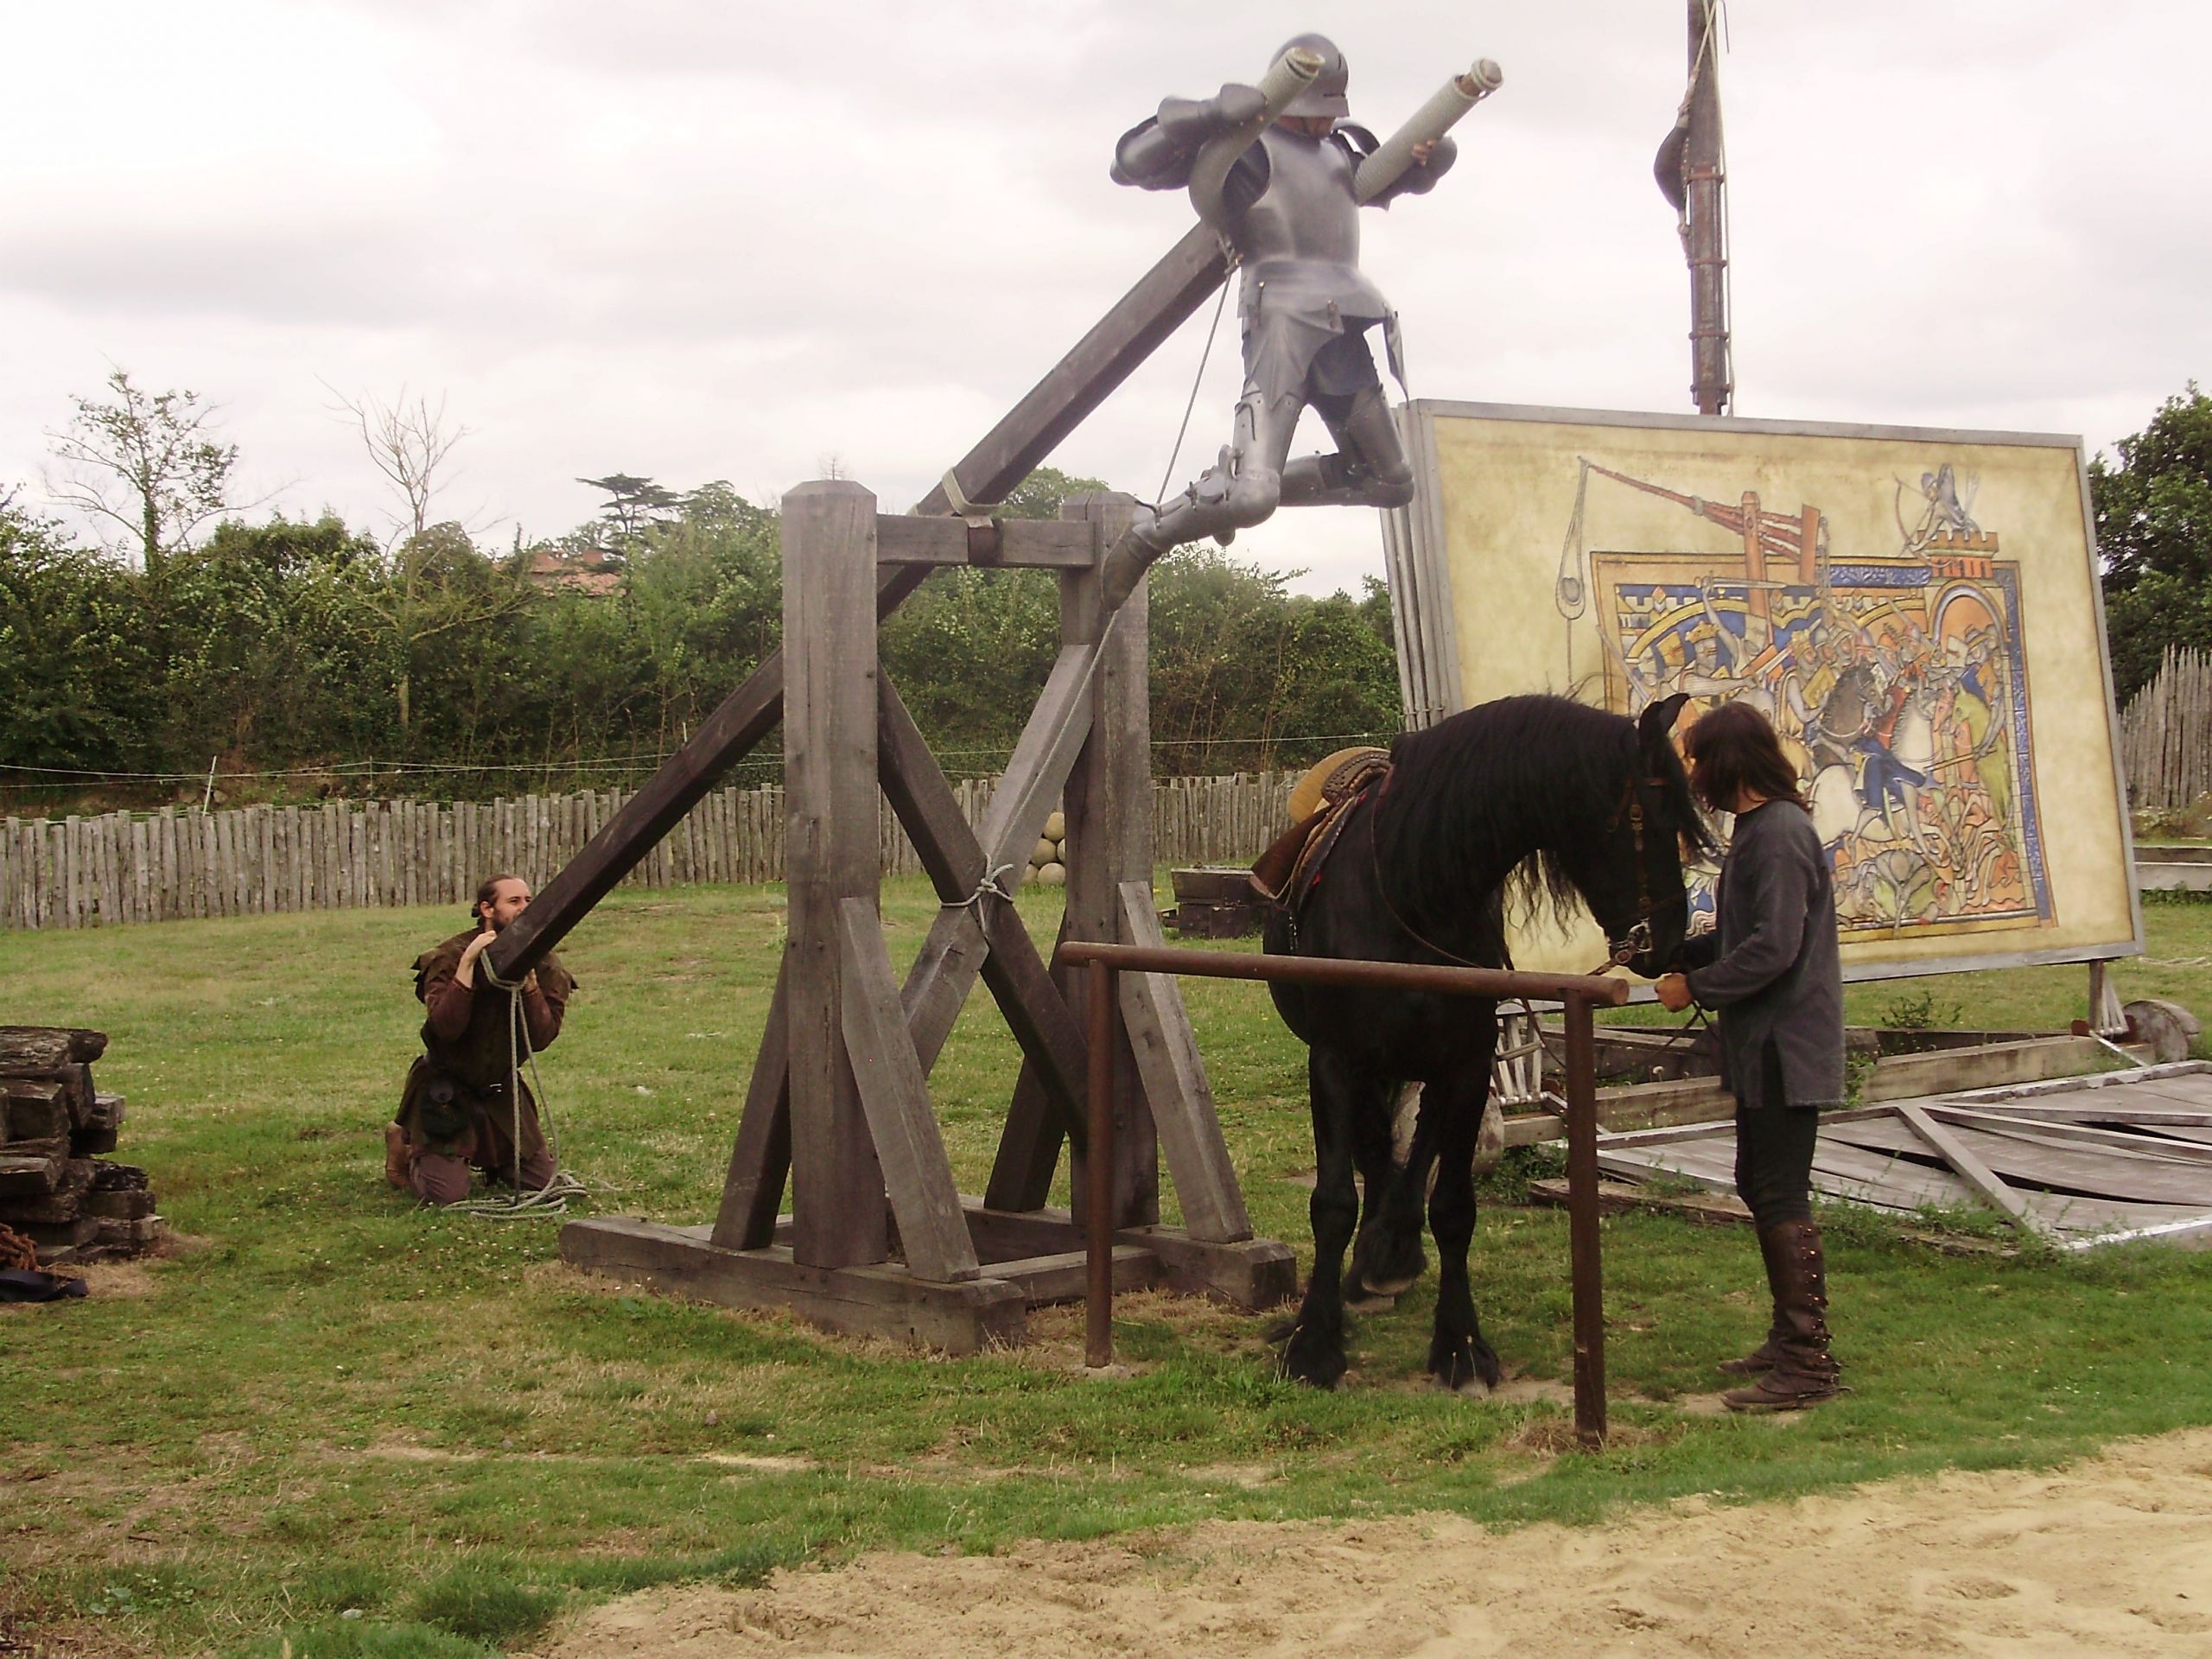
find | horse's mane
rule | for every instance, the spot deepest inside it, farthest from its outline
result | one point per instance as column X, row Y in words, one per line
column 1500, row 796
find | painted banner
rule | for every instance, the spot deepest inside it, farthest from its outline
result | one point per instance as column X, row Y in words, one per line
column 1917, row 612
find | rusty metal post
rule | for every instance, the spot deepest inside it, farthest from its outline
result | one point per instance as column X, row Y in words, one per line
column 1098, row 1170
column 1588, row 1267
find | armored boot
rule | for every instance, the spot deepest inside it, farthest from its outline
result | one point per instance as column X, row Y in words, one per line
column 1200, row 512
column 398, row 1156
column 1774, row 1247
column 1804, row 1373
column 1338, row 482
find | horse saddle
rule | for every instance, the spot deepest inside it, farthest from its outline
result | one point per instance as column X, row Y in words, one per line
column 1319, row 808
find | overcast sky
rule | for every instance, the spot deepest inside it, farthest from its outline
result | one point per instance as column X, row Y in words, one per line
column 699, row 240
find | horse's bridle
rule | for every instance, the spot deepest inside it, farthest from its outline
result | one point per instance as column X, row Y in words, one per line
column 1638, row 941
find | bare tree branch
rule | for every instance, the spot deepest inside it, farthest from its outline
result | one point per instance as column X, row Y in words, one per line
column 409, row 445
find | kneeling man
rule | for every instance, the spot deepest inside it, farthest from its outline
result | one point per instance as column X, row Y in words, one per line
column 466, row 1105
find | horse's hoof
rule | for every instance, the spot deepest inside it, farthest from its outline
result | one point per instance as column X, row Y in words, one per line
column 1281, row 1329
column 1392, row 1287
column 1313, row 1361
column 1458, row 1362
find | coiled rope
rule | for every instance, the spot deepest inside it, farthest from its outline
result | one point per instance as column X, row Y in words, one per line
column 552, row 1199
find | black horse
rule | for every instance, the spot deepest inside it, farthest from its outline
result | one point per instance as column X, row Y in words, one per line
column 1548, row 797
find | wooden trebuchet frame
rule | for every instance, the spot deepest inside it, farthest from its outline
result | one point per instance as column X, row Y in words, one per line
column 879, row 1239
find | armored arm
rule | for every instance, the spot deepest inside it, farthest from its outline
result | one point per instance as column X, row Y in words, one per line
column 1417, row 179
column 1157, row 155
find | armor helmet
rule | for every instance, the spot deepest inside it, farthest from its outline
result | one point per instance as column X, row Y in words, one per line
column 1325, row 94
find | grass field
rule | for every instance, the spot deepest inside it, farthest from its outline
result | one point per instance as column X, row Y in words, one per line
column 331, row 1403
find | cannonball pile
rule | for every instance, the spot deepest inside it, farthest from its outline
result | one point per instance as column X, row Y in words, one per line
column 1048, row 859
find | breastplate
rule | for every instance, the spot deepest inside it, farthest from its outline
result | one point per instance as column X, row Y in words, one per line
column 1307, row 211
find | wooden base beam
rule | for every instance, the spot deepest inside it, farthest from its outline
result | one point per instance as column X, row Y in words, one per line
column 1030, row 1259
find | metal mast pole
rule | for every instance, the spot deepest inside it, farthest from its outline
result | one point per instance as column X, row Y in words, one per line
column 1704, row 229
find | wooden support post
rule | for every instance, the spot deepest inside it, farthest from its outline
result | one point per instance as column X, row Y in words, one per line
column 1585, row 1249
column 932, row 1234
column 1110, row 820
column 760, row 1160
column 1029, row 1145
column 973, row 923
column 828, row 536
column 1158, row 1026
column 1098, row 1229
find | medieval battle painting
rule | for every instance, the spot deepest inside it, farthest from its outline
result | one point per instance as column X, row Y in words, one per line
column 1916, row 612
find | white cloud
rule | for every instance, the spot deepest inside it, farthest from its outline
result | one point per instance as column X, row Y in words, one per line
column 706, row 241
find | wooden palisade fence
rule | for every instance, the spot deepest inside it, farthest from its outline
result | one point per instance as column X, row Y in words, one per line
column 120, row 868
column 2165, row 734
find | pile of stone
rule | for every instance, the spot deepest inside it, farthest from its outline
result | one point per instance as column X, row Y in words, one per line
column 56, row 1188
column 1048, row 859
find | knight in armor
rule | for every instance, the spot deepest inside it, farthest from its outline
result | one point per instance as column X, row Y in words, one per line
column 1289, row 212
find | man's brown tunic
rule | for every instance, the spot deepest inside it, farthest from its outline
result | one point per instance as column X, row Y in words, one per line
column 467, row 1038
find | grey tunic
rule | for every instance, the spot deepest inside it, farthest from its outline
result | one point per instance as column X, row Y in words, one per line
column 1772, row 968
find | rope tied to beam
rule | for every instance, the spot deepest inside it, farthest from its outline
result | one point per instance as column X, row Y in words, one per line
column 993, row 886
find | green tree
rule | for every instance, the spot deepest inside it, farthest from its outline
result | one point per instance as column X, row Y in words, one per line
column 142, row 468
column 442, row 595
column 2154, row 534
column 634, row 504
column 288, row 654
column 77, row 690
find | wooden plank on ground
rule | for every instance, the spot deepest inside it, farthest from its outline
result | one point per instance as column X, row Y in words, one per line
column 895, row 1097
column 2021, row 1155
column 1967, row 1166
column 2134, row 1142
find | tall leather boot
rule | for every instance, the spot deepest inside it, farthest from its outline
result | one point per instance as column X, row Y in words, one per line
column 1804, row 1373
column 1774, row 1249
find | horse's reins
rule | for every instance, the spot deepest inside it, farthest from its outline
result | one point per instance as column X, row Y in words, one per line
column 1637, row 940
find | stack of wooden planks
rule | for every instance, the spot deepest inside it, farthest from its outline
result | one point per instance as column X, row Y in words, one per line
column 72, row 1204
column 2081, row 1161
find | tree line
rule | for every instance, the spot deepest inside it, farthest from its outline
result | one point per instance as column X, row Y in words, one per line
column 328, row 661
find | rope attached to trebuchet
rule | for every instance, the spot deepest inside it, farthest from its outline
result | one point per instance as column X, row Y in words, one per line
column 1204, row 356
column 993, row 886
column 552, row 1199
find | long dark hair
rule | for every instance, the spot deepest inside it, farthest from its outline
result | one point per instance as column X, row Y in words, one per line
column 1734, row 748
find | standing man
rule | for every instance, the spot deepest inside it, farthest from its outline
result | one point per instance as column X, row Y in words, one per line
column 465, row 1105
column 1773, row 972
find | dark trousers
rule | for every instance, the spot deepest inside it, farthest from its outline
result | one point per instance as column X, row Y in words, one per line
column 1774, row 1154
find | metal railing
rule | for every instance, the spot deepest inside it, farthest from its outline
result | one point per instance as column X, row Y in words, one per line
column 1578, row 995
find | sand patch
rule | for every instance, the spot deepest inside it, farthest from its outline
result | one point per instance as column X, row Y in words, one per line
column 2112, row 1557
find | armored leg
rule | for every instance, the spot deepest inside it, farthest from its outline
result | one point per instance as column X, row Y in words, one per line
column 1239, row 491
column 1369, row 468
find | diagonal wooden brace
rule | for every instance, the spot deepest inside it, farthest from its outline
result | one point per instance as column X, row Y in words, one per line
column 1128, row 334
column 973, row 933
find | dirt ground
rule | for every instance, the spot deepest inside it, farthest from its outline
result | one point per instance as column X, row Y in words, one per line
column 2110, row 1557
